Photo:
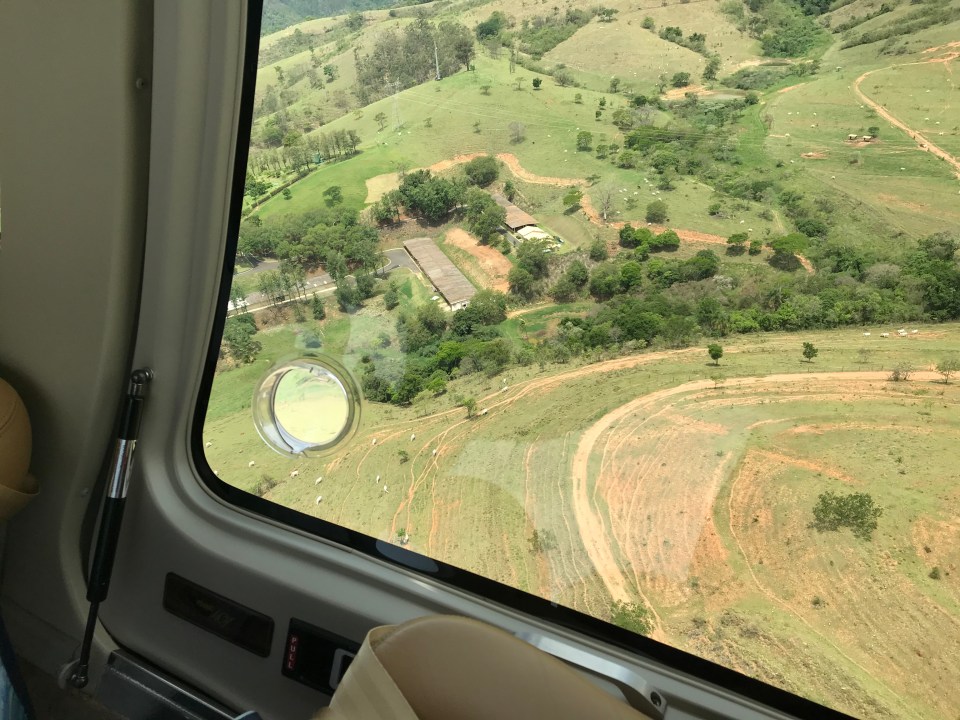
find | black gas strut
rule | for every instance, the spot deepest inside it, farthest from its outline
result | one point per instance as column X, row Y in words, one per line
column 111, row 516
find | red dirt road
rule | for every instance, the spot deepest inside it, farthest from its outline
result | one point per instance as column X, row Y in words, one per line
column 922, row 142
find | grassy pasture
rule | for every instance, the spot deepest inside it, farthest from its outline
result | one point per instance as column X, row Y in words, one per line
column 925, row 97
column 816, row 118
column 497, row 478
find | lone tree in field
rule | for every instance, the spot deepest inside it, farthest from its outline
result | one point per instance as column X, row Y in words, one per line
column 572, row 198
column 715, row 350
column 471, row 405
column 656, row 211
column 381, row 118
column 537, row 82
column 809, row 351
column 856, row 511
column 680, row 79
column 948, row 367
column 518, row 132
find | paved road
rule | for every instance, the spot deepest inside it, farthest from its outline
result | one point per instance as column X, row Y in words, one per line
column 320, row 281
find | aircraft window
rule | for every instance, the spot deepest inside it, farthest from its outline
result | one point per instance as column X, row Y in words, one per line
column 651, row 313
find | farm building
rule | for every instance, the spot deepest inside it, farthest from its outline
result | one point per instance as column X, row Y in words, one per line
column 533, row 233
column 446, row 277
column 516, row 218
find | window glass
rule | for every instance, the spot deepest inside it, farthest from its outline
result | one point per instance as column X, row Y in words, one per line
column 650, row 310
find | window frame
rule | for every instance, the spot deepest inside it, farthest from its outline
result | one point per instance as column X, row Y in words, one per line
column 645, row 648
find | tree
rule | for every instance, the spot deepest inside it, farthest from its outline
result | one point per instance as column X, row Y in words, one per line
column 755, row 246
column 680, row 79
column 598, row 250
column 584, row 141
column 318, row 308
column 578, row 98
column 948, row 367
column 331, row 72
column 563, row 77
column 238, row 338
column 809, row 351
column 656, row 212
column 381, row 118
column 333, row 195
column 614, row 85
column 518, row 132
column 482, row 171
column 521, row 283
column 537, row 82
column 856, row 511
column 716, row 352
column 391, row 298
column 648, row 23
column 510, row 190
column 572, row 198
column 564, row 290
column 736, row 243
column 873, row 130
column 471, row 406
column 485, row 89
column 578, row 273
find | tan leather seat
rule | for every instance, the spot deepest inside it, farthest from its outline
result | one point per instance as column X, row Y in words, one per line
column 17, row 487
column 452, row 668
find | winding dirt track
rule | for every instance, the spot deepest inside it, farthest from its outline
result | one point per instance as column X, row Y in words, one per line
column 922, row 142
column 594, row 535
column 592, row 214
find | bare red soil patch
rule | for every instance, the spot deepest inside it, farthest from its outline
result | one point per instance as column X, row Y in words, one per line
column 491, row 261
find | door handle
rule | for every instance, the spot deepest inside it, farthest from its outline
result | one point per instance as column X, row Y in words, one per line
column 639, row 694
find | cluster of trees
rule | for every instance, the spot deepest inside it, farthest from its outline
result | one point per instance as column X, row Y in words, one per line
column 930, row 15
column 694, row 142
column 764, row 76
column 424, row 195
column 439, row 348
column 538, row 35
column 332, row 237
column 530, row 269
column 401, row 59
column 238, row 339
column 485, row 218
column 780, row 25
column 696, row 42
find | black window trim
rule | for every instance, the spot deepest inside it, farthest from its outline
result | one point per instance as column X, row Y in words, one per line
column 692, row 665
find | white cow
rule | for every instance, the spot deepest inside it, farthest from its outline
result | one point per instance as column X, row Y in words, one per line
column 413, row 437
column 207, row 444
column 251, row 463
column 434, row 451
column 318, row 480
column 378, row 478
column 385, row 489
column 374, row 442
column 295, row 473
column 884, row 335
column 866, row 334
column 319, row 499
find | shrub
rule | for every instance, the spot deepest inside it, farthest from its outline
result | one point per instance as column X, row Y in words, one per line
column 631, row 616
column 901, row 372
column 656, row 211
